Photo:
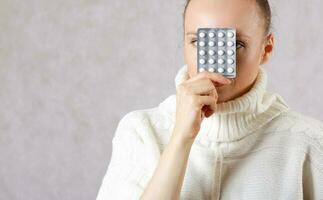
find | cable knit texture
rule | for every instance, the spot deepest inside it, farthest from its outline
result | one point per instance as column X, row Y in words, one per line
column 254, row 147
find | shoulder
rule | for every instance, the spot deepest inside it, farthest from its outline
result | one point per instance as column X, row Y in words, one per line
column 301, row 131
column 154, row 120
column 298, row 122
column 292, row 126
column 157, row 117
column 298, row 125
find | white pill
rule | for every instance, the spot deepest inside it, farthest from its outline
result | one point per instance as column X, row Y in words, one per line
column 220, row 69
column 230, row 61
column 211, row 43
column 202, row 34
column 220, row 52
column 211, row 52
column 211, row 61
column 230, row 52
column 201, row 69
column 202, row 61
column 211, row 69
column 221, row 61
column 202, row 44
column 221, row 34
column 220, row 43
column 202, row 52
column 230, row 43
column 230, row 34
column 211, row 34
column 230, row 69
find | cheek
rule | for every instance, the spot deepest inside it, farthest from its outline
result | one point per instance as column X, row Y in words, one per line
column 190, row 55
column 247, row 66
column 247, row 59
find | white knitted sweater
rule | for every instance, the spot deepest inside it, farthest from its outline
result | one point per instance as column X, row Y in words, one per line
column 254, row 148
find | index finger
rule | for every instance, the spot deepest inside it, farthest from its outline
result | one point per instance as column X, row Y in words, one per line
column 215, row 77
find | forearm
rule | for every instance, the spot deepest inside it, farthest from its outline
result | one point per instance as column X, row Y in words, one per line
column 167, row 180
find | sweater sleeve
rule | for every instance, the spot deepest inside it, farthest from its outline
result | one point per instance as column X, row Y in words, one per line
column 122, row 178
column 312, row 182
column 313, row 170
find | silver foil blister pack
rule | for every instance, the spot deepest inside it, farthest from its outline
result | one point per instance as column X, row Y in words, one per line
column 216, row 51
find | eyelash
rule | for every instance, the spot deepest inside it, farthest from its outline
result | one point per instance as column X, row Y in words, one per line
column 238, row 43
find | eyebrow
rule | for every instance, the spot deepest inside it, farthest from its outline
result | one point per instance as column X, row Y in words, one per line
column 191, row 33
column 238, row 34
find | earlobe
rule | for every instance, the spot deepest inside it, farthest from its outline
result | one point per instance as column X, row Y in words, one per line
column 268, row 48
column 270, row 43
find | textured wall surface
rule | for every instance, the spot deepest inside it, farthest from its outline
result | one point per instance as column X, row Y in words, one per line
column 69, row 70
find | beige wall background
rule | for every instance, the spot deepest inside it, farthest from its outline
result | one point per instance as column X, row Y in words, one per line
column 69, row 70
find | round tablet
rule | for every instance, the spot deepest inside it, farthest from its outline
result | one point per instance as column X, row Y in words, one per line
column 202, row 34
column 230, row 43
column 211, row 43
column 211, row 34
column 230, row 34
column 220, row 69
column 220, row 34
column 211, row 61
column 220, row 52
column 202, row 52
column 202, row 44
column 230, row 61
column 202, row 61
column 201, row 69
column 211, row 52
column 211, row 69
column 220, row 61
column 230, row 69
column 220, row 43
column 230, row 52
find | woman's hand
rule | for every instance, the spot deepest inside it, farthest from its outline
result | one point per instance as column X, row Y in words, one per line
column 196, row 98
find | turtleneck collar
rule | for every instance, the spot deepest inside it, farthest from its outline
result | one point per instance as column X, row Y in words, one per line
column 237, row 118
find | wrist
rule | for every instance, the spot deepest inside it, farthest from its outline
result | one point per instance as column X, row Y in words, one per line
column 177, row 139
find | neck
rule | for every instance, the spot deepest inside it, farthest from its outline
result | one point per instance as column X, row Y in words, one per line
column 239, row 94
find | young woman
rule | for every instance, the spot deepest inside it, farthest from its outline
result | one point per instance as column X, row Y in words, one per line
column 219, row 138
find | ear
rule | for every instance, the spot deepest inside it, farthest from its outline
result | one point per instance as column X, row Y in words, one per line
column 268, row 47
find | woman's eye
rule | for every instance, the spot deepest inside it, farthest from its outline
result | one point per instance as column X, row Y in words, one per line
column 239, row 45
column 194, row 42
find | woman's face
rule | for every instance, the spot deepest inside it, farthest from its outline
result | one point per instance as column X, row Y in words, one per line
column 253, row 47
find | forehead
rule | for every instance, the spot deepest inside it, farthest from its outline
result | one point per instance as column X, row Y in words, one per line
column 240, row 14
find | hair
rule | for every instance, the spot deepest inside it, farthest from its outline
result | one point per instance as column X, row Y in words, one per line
column 265, row 12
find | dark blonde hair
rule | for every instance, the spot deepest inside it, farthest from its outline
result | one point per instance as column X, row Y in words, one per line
column 265, row 11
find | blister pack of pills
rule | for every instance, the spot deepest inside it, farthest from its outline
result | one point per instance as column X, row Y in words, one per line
column 216, row 51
